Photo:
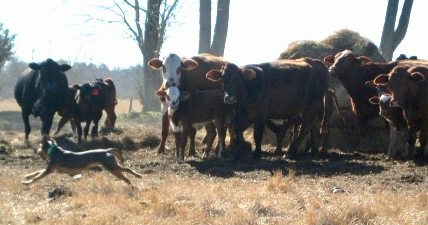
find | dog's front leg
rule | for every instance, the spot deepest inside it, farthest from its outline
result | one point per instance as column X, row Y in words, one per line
column 37, row 175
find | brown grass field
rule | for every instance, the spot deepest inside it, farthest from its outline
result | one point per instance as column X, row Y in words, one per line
column 336, row 188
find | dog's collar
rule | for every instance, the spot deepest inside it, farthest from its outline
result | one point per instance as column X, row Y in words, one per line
column 52, row 149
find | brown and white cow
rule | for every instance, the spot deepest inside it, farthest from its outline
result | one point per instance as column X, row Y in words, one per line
column 354, row 71
column 189, row 75
column 409, row 91
column 283, row 89
column 196, row 109
column 398, row 132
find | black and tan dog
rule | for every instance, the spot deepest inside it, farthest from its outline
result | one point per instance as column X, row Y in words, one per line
column 72, row 163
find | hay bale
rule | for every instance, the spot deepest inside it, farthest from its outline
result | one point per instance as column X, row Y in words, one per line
column 334, row 43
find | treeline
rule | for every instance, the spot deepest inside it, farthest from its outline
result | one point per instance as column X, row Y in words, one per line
column 127, row 81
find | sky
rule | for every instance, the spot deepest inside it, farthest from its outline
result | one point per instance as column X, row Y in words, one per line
column 258, row 30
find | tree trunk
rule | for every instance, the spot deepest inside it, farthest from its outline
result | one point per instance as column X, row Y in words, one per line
column 220, row 31
column 392, row 37
column 205, row 26
column 151, row 80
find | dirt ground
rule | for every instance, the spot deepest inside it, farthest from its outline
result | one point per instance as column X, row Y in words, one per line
column 335, row 188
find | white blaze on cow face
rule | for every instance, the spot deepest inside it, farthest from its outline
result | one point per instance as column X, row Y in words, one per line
column 171, row 70
column 172, row 99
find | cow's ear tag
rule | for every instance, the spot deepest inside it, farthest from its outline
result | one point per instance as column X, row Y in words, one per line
column 95, row 92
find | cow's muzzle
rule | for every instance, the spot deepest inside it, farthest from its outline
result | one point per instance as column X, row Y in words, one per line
column 230, row 99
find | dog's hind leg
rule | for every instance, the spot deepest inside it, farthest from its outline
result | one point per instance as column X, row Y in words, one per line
column 119, row 175
column 124, row 169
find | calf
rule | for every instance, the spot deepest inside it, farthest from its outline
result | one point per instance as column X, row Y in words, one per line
column 187, row 110
column 70, row 112
column 41, row 91
column 92, row 98
column 409, row 91
column 284, row 89
column 398, row 132
column 188, row 75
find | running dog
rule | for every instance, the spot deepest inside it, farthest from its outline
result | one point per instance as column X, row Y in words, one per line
column 72, row 163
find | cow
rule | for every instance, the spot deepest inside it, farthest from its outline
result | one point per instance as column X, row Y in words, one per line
column 404, row 57
column 92, row 98
column 188, row 75
column 409, row 91
column 353, row 72
column 69, row 112
column 41, row 90
column 283, row 89
column 398, row 132
column 196, row 109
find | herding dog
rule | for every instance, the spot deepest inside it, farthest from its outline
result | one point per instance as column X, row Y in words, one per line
column 72, row 163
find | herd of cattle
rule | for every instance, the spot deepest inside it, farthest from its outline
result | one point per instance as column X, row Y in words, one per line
column 208, row 91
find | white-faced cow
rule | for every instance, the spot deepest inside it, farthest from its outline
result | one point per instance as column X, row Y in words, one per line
column 189, row 75
column 284, row 89
column 196, row 109
column 41, row 91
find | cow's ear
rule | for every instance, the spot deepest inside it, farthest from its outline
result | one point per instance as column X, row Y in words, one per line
column 329, row 59
column 214, row 75
column 161, row 93
column 64, row 67
column 184, row 95
column 374, row 100
column 34, row 66
column 155, row 63
column 249, row 74
column 418, row 77
column 363, row 60
column 189, row 64
column 370, row 83
column 381, row 80
column 76, row 86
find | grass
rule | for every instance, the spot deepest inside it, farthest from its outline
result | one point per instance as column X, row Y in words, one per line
column 207, row 191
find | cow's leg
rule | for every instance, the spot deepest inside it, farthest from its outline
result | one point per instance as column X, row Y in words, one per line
column 192, row 135
column 25, row 114
column 73, row 125
column 307, row 121
column 259, row 129
column 46, row 122
column 411, row 142
column 177, row 136
column 183, row 140
column 393, row 141
column 210, row 127
column 165, row 128
column 79, row 130
column 61, row 123
column 94, row 131
column 111, row 117
column 423, row 140
column 86, row 129
column 219, row 124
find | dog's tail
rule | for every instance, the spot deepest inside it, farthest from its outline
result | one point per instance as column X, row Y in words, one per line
column 117, row 154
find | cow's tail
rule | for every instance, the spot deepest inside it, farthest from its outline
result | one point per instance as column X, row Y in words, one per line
column 112, row 87
column 336, row 104
column 117, row 154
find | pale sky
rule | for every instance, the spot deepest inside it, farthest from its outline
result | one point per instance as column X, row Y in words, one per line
column 258, row 30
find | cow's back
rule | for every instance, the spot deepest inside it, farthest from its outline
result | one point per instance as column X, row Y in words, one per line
column 195, row 79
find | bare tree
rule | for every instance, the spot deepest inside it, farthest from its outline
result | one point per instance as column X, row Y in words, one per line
column 392, row 37
column 148, row 35
column 216, row 47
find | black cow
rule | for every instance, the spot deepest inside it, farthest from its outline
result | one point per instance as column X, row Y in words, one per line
column 41, row 91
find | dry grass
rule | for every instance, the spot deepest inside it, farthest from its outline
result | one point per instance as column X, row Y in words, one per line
column 341, row 188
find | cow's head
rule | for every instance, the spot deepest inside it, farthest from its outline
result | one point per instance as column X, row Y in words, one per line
column 87, row 92
column 173, row 97
column 344, row 63
column 403, row 83
column 172, row 67
column 48, row 83
column 233, row 79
